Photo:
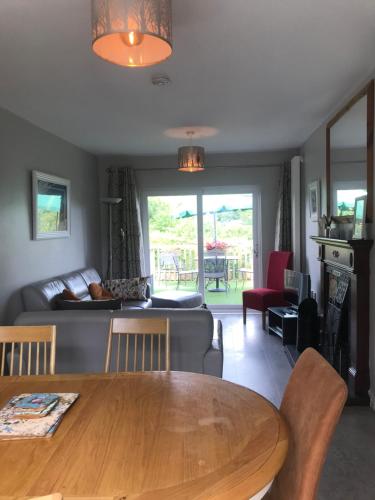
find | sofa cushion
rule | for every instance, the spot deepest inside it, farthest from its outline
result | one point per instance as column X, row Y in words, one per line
column 41, row 296
column 90, row 275
column 136, row 304
column 109, row 304
column 82, row 338
column 128, row 289
column 177, row 299
column 75, row 282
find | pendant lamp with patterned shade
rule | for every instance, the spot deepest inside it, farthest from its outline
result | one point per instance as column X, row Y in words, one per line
column 132, row 33
column 191, row 158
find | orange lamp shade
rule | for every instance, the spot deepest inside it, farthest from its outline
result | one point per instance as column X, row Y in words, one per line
column 132, row 33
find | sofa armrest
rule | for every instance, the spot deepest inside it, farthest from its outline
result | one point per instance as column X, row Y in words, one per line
column 213, row 359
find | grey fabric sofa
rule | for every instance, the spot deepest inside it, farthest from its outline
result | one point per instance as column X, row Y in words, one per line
column 41, row 296
column 196, row 339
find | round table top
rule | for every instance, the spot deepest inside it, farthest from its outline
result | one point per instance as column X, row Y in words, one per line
column 153, row 435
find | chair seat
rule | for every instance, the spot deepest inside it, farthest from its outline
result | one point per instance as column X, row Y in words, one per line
column 263, row 298
column 192, row 271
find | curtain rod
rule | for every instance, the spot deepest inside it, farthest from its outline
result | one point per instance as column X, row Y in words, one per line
column 207, row 168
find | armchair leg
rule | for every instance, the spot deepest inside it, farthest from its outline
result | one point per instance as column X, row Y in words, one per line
column 264, row 320
column 244, row 314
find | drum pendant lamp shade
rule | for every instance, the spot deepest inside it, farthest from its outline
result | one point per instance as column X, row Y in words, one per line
column 132, row 33
column 191, row 158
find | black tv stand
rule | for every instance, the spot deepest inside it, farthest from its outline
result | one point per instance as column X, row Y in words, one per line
column 282, row 321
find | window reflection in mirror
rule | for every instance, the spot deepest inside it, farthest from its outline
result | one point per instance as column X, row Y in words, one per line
column 349, row 159
column 344, row 201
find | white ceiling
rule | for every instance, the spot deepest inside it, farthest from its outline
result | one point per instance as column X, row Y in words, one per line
column 265, row 73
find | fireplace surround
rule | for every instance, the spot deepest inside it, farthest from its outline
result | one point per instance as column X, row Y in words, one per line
column 345, row 305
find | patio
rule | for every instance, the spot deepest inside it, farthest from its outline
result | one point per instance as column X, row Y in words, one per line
column 232, row 297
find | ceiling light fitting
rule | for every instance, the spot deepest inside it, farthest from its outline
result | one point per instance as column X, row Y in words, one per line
column 191, row 158
column 160, row 80
column 132, row 33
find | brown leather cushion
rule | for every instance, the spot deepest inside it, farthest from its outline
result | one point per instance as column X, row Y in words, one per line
column 69, row 295
column 97, row 292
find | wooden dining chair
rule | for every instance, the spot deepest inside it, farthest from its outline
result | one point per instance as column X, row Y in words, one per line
column 139, row 344
column 312, row 405
column 27, row 347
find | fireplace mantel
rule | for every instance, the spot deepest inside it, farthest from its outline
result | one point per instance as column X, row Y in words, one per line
column 351, row 260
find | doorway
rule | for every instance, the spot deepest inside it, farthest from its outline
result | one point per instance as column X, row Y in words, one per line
column 205, row 242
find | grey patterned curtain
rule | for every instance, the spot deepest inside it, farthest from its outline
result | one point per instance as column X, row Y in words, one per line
column 283, row 233
column 127, row 240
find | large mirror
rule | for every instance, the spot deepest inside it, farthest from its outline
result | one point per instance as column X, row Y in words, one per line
column 350, row 155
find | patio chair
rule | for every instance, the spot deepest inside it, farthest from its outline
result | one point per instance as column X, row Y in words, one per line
column 215, row 269
column 243, row 273
column 171, row 262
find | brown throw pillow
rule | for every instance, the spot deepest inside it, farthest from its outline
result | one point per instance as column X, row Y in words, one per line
column 69, row 295
column 97, row 292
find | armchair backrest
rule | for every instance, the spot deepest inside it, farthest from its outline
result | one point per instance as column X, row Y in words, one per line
column 277, row 263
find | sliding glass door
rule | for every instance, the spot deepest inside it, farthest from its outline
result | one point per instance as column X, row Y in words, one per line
column 173, row 246
column 228, row 264
column 204, row 242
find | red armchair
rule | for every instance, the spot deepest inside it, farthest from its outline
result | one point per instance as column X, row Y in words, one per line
column 272, row 296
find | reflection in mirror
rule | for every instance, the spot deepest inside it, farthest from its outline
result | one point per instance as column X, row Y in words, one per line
column 349, row 159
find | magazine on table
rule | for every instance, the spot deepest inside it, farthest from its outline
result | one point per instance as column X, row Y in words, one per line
column 34, row 415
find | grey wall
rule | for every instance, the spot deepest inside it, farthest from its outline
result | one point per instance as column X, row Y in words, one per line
column 23, row 148
column 313, row 152
column 313, row 168
column 246, row 169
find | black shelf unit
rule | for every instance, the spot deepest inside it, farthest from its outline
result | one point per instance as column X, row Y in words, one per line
column 282, row 321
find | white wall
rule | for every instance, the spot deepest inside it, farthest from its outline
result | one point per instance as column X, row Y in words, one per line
column 23, row 148
column 242, row 169
column 314, row 166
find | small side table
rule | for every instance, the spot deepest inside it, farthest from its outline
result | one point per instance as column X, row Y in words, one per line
column 283, row 322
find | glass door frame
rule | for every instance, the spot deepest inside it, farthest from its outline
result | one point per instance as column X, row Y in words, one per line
column 199, row 193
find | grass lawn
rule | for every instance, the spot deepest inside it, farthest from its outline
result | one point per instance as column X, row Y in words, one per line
column 231, row 297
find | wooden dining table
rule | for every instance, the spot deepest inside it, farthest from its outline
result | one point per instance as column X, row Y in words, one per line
column 155, row 435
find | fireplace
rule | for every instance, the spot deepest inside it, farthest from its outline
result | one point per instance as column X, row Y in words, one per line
column 335, row 339
column 345, row 306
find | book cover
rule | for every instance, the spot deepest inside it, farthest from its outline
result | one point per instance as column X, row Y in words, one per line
column 16, row 426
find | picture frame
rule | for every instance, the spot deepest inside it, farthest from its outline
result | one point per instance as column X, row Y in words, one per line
column 359, row 218
column 51, row 206
column 314, row 200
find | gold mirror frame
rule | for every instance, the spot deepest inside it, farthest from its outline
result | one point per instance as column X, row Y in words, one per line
column 367, row 91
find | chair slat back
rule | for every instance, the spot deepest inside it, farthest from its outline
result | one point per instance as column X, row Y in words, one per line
column 140, row 344
column 28, row 350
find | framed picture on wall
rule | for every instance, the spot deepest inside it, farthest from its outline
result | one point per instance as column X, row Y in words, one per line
column 51, row 206
column 359, row 218
column 314, row 200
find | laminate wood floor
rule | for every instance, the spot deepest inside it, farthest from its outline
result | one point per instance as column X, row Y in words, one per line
column 256, row 360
